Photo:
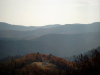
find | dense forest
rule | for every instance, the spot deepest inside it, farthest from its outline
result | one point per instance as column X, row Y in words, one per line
column 41, row 64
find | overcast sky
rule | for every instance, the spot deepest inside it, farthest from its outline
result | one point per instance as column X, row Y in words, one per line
column 46, row 12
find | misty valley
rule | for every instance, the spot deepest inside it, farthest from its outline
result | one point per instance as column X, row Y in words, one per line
column 70, row 49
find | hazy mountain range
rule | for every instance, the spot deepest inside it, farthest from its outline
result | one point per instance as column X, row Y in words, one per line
column 11, row 31
column 6, row 26
column 60, row 40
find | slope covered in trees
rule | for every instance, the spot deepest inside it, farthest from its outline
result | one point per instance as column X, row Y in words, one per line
column 83, row 65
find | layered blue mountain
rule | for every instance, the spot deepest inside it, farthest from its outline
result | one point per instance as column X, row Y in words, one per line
column 51, row 29
column 60, row 40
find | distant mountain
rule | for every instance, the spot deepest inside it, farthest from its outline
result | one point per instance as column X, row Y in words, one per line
column 57, row 44
column 50, row 26
column 6, row 26
column 67, row 39
column 16, row 34
column 56, row 29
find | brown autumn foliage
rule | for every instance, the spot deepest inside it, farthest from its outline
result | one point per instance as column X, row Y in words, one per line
column 83, row 65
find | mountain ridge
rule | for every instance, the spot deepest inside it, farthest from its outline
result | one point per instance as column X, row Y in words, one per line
column 64, row 29
column 59, row 44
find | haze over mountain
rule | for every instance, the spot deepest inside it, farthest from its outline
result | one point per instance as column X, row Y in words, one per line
column 6, row 26
column 56, row 29
column 60, row 40
column 35, row 36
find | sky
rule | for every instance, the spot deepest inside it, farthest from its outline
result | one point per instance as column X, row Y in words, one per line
column 48, row 12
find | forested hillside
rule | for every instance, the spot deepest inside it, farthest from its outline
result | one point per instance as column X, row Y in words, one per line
column 41, row 64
